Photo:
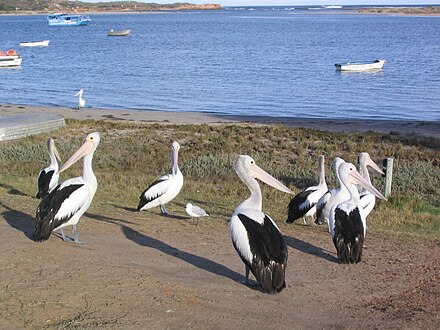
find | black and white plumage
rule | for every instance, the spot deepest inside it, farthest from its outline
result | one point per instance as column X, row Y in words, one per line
column 81, row 101
column 255, row 236
column 331, row 197
column 195, row 211
column 49, row 176
column 347, row 222
column 367, row 199
column 65, row 204
column 303, row 205
column 166, row 188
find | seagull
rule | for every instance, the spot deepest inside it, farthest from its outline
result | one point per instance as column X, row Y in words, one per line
column 347, row 221
column 66, row 203
column 255, row 236
column 81, row 101
column 164, row 189
column 195, row 211
column 303, row 205
column 49, row 176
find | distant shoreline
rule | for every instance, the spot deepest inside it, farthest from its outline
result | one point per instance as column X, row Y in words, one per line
column 427, row 10
column 396, row 127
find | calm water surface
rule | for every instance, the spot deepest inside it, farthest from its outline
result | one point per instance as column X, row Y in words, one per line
column 242, row 62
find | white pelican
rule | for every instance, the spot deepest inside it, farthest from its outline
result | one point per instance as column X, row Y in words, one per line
column 255, row 236
column 49, row 176
column 347, row 222
column 331, row 197
column 164, row 189
column 367, row 199
column 65, row 205
column 195, row 211
column 81, row 101
column 303, row 205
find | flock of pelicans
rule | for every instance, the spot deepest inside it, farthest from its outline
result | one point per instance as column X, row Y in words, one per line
column 255, row 236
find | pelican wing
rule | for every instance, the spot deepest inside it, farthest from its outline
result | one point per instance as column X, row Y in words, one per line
column 59, row 207
column 269, row 253
column 321, row 205
column 299, row 205
column 44, row 179
column 348, row 234
column 155, row 190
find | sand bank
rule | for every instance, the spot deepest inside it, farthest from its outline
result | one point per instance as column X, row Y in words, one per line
column 419, row 128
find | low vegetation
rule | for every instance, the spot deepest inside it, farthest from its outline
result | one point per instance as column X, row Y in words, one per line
column 133, row 155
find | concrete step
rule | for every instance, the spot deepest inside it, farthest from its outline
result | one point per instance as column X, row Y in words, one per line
column 18, row 126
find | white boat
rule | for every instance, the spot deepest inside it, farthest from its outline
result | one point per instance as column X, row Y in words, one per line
column 43, row 43
column 118, row 33
column 62, row 19
column 9, row 59
column 360, row 66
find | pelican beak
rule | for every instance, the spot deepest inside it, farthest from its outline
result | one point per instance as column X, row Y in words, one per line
column 258, row 173
column 356, row 178
column 57, row 155
column 371, row 163
column 84, row 150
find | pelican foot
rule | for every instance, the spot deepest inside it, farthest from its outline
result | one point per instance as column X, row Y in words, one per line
column 163, row 210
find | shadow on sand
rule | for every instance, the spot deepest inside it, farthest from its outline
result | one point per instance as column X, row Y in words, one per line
column 13, row 191
column 19, row 220
column 308, row 248
column 197, row 261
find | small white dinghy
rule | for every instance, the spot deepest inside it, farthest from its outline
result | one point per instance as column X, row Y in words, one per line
column 360, row 66
column 43, row 43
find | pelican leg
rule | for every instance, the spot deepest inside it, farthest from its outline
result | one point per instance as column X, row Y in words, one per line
column 163, row 210
column 75, row 235
column 305, row 220
column 246, row 280
column 65, row 238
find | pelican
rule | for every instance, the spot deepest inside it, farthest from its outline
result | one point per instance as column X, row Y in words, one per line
column 331, row 197
column 367, row 199
column 303, row 205
column 81, row 101
column 164, row 189
column 65, row 204
column 49, row 176
column 195, row 211
column 347, row 221
column 255, row 236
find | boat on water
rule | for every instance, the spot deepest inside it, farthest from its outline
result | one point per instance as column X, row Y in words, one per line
column 360, row 66
column 43, row 43
column 9, row 59
column 62, row 19
column 118, row 33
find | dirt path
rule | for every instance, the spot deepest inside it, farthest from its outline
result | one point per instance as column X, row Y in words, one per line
column 143, row 271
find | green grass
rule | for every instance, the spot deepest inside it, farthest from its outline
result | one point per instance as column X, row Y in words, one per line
column 133, row 155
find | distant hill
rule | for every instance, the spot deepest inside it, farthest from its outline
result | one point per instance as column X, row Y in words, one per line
column 68, row 6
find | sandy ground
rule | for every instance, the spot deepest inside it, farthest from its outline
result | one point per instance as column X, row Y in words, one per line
column 419, row 128
column 144, row 271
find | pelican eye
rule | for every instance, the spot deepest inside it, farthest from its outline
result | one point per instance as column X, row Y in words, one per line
column 91, row 138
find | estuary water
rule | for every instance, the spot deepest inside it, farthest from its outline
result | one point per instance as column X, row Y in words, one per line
column 266, row 61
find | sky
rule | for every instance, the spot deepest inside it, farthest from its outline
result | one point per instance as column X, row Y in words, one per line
column 291, row 2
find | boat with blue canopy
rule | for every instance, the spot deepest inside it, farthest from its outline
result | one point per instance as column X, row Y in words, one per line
column 62, row 19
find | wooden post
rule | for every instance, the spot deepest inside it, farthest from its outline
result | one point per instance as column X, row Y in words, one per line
column 388, row 177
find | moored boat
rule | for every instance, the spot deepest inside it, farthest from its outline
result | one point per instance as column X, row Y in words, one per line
column 43, row 43
column 9, row 59
column 118, row 33
column 62, row 19
column 360, row 66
